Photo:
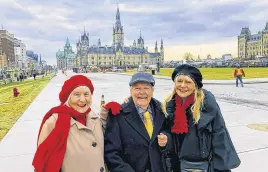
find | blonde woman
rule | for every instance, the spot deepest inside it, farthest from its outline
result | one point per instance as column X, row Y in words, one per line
column 200, row 139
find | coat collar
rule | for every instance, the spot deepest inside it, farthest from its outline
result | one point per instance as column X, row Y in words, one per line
column 133, row 118
column 90, row 123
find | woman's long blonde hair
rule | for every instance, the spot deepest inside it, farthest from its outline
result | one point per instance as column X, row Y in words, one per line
column 195, row 109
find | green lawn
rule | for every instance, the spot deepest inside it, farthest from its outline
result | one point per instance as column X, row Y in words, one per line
column 222, row 73
column 11, row 108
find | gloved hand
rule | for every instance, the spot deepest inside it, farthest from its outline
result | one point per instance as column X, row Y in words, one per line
column 114, row 107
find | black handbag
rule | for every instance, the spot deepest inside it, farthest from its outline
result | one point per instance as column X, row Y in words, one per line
column 201, row 166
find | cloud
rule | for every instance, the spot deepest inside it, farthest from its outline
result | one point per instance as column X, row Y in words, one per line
column 183, row 25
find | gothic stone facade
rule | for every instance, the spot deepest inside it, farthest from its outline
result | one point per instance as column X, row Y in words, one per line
column 66, row 58
column 252, row 45
column 118, row 54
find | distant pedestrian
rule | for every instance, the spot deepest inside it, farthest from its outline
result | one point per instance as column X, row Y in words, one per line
column 34, row 74
column 21, row 77
column 238, row 74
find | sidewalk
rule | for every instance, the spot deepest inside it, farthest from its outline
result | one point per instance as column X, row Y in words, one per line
column 213, row 82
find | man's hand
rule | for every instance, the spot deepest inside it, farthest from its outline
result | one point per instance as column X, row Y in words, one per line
column 162, row 140
column 126, row 100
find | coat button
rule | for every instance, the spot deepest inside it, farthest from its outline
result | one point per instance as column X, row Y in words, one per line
column 101, row 169
column 94, row 144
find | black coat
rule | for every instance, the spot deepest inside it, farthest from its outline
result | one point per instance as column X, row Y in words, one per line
column 127, row 146
column 209, row 138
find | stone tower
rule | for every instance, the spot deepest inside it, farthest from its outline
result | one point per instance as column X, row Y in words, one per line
column 118, row 32
column 84, row 48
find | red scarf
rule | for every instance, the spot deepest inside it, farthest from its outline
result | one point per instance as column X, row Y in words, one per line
column 180, row 121
column 50, row 153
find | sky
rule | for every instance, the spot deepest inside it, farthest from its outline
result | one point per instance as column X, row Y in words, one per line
column 201, row 27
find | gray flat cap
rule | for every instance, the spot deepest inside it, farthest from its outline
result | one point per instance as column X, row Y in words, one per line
column 142, row 77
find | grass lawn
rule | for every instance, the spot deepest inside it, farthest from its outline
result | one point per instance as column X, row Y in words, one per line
column 11, row 108
column 222, row 73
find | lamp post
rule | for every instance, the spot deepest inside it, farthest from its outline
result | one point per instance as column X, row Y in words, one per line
column 8, row 65
column 158, row 67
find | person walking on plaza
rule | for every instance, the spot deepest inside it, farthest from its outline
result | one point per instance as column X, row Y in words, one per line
column 200, row 139
column 21, row 77
column 131, row 137
column 71, row 135
column 34, row 74
column 238, row 74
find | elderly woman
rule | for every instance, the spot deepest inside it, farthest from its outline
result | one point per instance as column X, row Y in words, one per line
column 71, row 136
column 200, row 139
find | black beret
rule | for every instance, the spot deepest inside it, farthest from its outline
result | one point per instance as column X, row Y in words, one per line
column 142, row 77
column 191, row 71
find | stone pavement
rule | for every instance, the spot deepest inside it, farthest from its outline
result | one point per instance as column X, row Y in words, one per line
column 240, row 107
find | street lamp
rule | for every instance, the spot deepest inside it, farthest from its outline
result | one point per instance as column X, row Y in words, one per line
column 8, row 65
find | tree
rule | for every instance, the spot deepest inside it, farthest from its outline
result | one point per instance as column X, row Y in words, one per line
column 188, row 56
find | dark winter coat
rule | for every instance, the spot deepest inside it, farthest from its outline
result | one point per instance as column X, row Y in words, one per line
column 210, row 134
column 128, row 147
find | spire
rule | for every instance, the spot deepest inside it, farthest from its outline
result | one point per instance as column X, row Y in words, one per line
column 118, row 21
column 266, row 27
column 67, row 42
column 162, row 46
column 156, row 49
column 99, row 42
column 117, row 13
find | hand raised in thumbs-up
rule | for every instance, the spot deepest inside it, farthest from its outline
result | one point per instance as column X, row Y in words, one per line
column 162, row 140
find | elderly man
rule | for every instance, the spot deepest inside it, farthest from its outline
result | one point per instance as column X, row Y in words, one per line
column 132, row 137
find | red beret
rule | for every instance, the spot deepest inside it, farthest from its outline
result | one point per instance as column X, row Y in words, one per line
column 72, row 83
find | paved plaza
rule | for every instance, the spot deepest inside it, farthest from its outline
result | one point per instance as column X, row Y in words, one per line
column 240, row 107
